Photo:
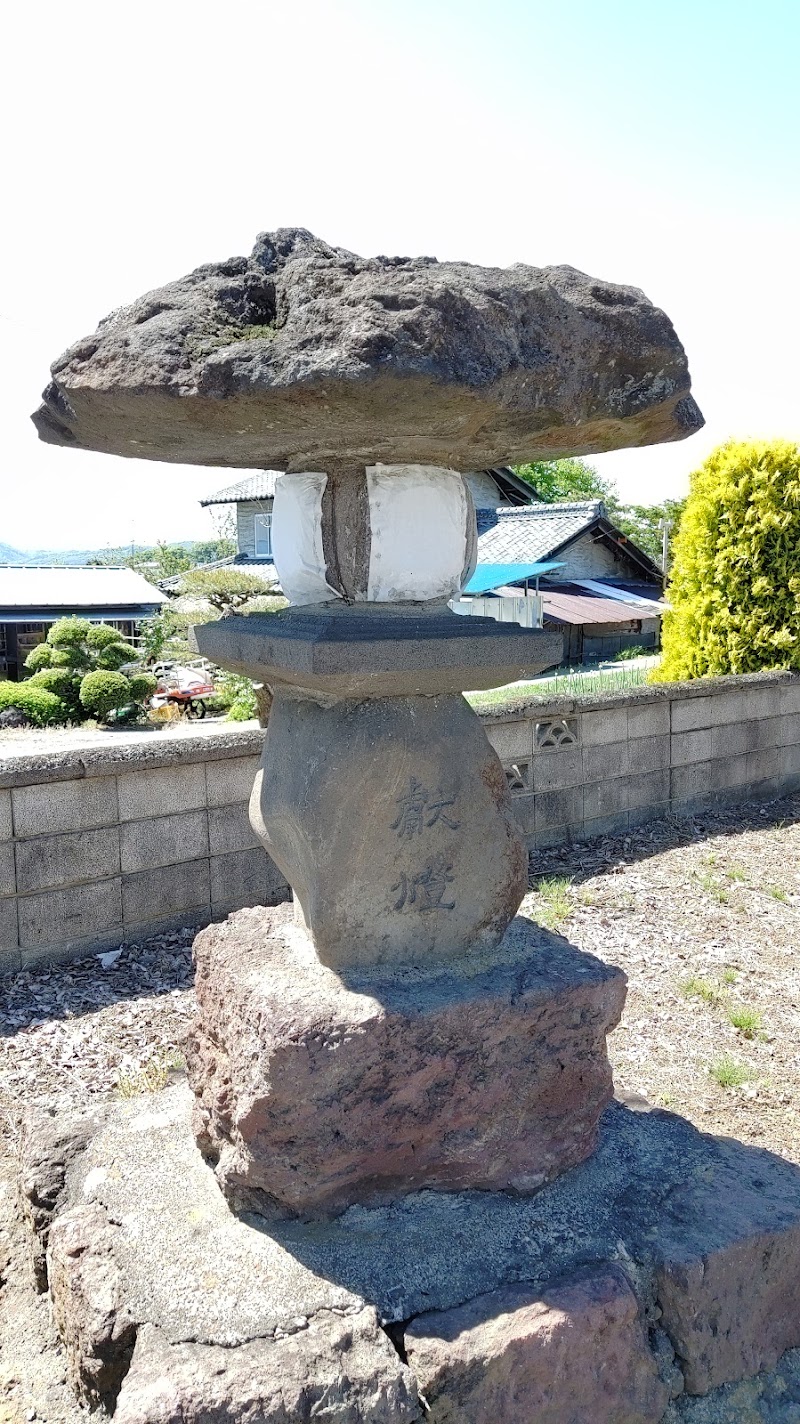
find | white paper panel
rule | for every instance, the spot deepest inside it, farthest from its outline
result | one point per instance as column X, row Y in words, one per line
column 418, row 518
column 297, row 538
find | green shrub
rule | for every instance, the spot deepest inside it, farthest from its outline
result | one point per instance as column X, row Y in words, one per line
column 63, row 682
column 628, row 654
column 69, row 632
column 103, row 691
column 41, row 707
column 142, row 686
column 735, row 588
column 40, row 657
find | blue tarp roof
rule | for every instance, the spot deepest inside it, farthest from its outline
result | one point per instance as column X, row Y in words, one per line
column 489, row 576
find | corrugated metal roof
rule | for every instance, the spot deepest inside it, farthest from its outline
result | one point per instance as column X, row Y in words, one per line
column 583, row 608
column 74, row 588
column 258, row 486
column 533, row 531
column 489, row 576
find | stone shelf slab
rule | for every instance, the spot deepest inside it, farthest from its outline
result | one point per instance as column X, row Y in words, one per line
column 380, row 652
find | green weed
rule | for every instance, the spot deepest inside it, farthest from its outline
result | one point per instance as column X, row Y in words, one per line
column 554, row 905
column 695, row 988
column 748, row 1021
column 729, row 1073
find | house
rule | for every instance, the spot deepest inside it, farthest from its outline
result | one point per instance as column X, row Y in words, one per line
column 33, row 598
column 254, row 497
column 598, row 587
column 602, row 591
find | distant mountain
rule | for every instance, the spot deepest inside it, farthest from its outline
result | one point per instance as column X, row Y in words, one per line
column 73, row 557
column 10, row 556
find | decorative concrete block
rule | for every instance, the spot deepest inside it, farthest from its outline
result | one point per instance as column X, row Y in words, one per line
column 161, row 791
column 64, row 806
column 10, row 953
column 230, row 781
column 58, row 917
column 575, row 1351
column 686, row 747
column 648, row 754
column 553, row 770
column 558, row 808
column 314, row 1093
column 651, row 719
column 605, row 725
column 7, row 874
column 601, row 763
column 691, row 713
column 52, row 862
column 650, row 789
column 164, row 840
column 511, row 740
column 6, row 825
column 229, row 829
column 246, row 877
column 149, row 895
column 605, row 798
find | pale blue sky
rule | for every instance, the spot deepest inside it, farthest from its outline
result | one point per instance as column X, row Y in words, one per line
column 656, row 145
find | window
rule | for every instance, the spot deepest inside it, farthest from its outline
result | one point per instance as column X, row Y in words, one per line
column 263, row 536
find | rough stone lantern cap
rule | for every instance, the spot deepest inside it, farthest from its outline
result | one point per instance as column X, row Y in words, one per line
column 306, row 357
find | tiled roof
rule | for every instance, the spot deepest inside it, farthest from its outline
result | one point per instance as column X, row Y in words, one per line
column 258, row 486
column 532, row 532
column 75, row 588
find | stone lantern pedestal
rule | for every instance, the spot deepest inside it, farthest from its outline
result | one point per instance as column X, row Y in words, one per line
column 399, row 1083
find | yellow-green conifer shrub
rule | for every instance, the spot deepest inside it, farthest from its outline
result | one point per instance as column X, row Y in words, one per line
column 735, row 585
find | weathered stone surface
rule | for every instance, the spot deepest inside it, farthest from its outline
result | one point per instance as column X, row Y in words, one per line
column 376, row 650
column 392, row 821
column 574, row 1353
column 307, row 356
column 314, row 1093
column 337, row 1368
column 178, row 1260
column 87, row 1291
column 50, row 1144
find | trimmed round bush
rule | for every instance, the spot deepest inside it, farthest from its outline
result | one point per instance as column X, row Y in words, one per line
column 104, row 691
column 41, row 656
column 69, row 632
column 142, row 685
column 735, row 586
column 40, row 706
column 63, row 682
column 115, row 654
column 101, row 635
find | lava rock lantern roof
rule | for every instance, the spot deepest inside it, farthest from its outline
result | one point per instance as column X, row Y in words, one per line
column 305, row 356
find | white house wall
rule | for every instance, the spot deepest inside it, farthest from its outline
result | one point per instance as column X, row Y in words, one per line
column 585, row 558
column 246, row 512
column 484, row 491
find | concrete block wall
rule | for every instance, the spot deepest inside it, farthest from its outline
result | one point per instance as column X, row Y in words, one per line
column 579, row 768
column 102, row 848
column 108, row 845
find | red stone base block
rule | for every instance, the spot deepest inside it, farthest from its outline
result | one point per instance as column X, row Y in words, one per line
column 575, row 1351
column 314, row 1094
